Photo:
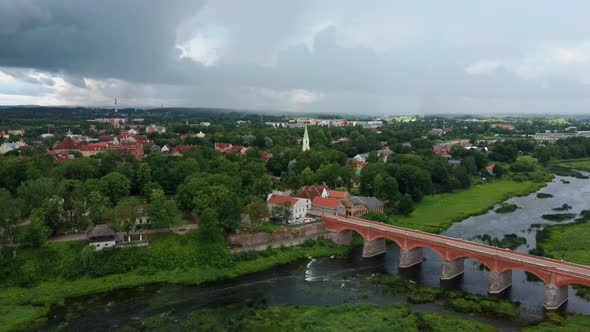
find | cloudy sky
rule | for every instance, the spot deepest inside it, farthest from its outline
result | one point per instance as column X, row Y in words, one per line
column 376, row 57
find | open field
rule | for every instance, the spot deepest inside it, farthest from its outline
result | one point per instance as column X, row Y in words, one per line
column 437, row 213
column 567, row 242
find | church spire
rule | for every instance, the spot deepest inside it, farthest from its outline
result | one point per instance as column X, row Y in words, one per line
column 305, row 140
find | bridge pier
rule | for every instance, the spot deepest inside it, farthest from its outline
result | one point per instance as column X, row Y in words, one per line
column 410, row 257
column 452, row 269
column 342, row 238
column 374, row 247
column 499, row 281
column 555, row 296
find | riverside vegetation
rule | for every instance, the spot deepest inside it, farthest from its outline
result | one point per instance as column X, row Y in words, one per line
column 346, row 317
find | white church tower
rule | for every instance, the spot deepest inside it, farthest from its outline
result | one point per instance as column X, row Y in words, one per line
column 305, row 140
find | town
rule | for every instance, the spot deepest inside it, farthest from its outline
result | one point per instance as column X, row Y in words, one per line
column 119, row 192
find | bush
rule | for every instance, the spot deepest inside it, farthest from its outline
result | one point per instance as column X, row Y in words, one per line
column 506, row 208
column 544, row 195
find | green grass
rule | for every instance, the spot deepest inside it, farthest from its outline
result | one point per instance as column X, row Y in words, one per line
column 568, row 242
column 578, row 164
column 438, row 212
column 23, row 307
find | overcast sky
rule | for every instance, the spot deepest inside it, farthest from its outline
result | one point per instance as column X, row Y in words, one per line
column 374, row 57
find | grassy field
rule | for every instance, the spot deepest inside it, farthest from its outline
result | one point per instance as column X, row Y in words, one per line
column 567, row 242
column 21, row 308
column 437, row 213
column 579, row 164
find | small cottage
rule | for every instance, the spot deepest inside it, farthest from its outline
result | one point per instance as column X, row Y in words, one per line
column 102, row 236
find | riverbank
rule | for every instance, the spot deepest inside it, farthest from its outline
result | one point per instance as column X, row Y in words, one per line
column 22, row 308
column 356, row 317
column 439, row 212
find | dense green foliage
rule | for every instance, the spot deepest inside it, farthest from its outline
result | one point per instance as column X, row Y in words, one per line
column 558, row 216
column 554, row 322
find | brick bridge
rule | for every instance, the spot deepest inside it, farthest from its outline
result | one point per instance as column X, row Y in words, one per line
column 556, row 275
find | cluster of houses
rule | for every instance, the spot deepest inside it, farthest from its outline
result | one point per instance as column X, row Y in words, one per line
column 323, row 200
column 127, row 142
column 302, row 122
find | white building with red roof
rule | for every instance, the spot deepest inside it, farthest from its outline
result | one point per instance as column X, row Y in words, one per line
column 298, row 206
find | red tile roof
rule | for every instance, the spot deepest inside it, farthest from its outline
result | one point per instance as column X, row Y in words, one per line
column 329, row 203
column 311, row 192
column 280, row 200
column 337, row 194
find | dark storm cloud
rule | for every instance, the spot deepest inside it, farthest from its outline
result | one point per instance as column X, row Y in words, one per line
column 132, row 40
column 321, row 55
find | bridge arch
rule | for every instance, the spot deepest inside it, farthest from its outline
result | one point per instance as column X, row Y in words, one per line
column 482, row 260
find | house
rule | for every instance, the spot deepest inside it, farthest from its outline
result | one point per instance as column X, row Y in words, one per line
column 200, row 134
column 165, row 149
column 102, row 236
column 298, row 206
column 328, row 205
column 311, row 192
column 92, row 149
column 68, row 144
column 180, row 150
column 355, row 207
column 340, row 195
column 155, row 129
column 358, row 206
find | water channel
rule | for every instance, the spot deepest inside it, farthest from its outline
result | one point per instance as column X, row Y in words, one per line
column 333, row 281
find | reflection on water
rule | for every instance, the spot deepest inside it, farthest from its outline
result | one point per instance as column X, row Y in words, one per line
column 329, row 281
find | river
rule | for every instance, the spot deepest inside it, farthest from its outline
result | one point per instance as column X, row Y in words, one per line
column 333, row 281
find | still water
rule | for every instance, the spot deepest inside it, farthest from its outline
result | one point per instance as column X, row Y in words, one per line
column 333, row 281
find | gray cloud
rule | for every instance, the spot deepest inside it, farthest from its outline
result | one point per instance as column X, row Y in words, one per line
column 303, row 55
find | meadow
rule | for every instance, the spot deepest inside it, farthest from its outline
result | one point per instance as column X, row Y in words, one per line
column 437, row 213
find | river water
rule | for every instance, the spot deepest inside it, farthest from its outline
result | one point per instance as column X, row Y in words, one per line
column 333, row 281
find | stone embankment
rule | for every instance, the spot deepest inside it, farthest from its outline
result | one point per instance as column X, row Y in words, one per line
column 286, row 237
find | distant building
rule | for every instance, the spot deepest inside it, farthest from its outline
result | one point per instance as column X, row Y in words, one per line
column 155, row 129
column 305, row 146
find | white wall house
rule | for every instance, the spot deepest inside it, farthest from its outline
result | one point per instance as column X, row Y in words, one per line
column 298, row 206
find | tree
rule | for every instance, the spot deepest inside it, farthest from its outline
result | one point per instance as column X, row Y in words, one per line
column 114, row 186
column 405, row 205
column 386, row 187
column 162, row 211
column 10, row 217
column 143, row 177
column 124, row 214
column 98, row 207
column 35, row 234
column 257, row 211
column 281, row 213
column 35, row 192
column 224, row 201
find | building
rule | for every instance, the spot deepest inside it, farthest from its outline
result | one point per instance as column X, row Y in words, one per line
column 305, row 140
column 297, row 206
column 328, row 205
column 311, row 192
column 9, row 146
column 102, row 236
column 358, row 206
column 340, row 195
column 155, row 129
